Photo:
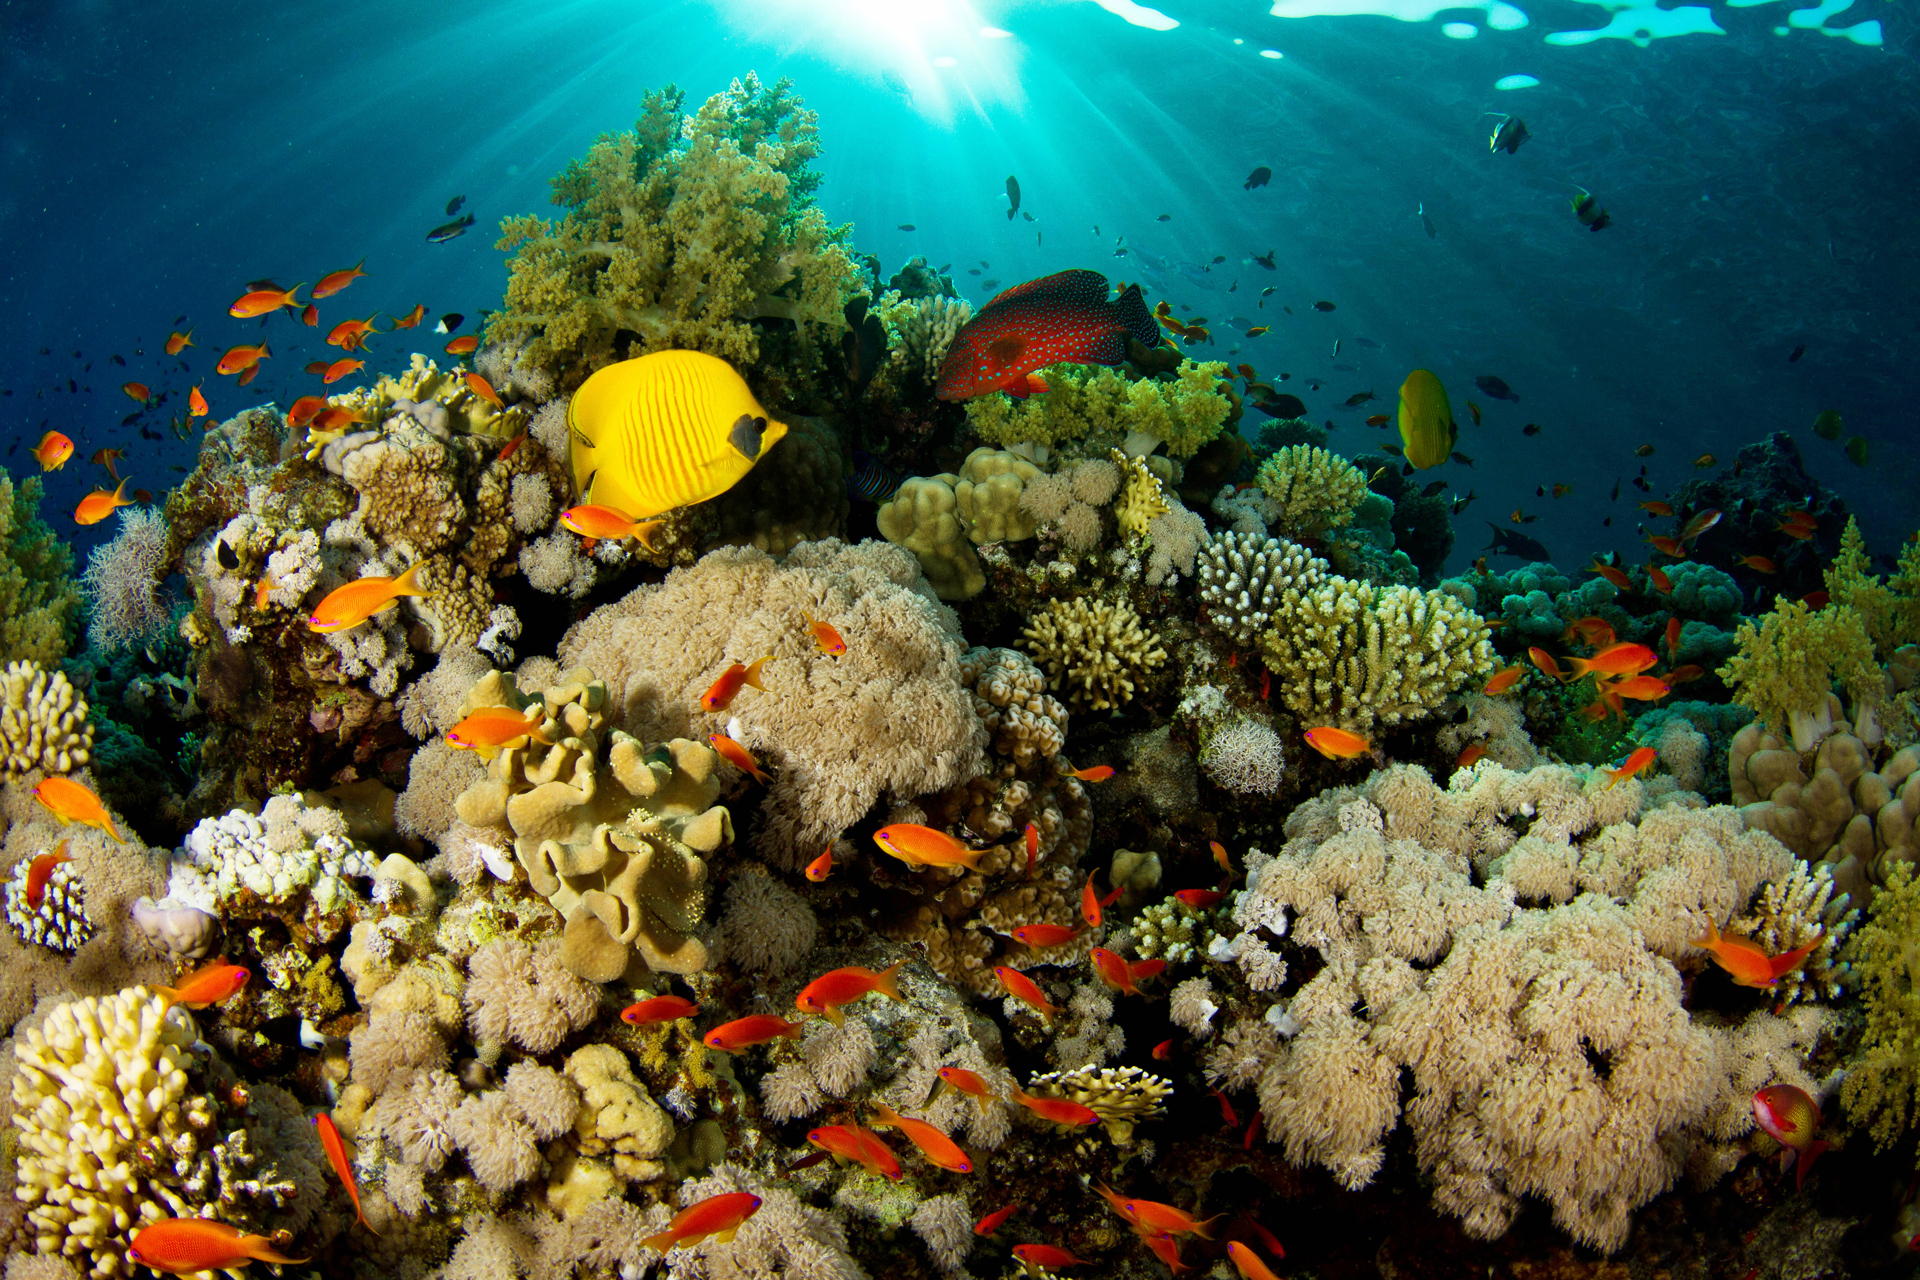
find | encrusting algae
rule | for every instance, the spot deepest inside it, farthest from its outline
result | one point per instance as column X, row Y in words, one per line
column 483, row 868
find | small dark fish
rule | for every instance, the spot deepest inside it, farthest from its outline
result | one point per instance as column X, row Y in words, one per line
column 943, row 268
column 1393, row 449
column 1856, row 448
column 1433, row 489
column 449, row 322
column 453, row 205
column 1433, row 232
column 1323, row 306
column 1615, row 495
column 1495, row 387
column 1218, row 258
column 1119, row 253
column 1587, row 209
column 872, row 480
column 117, row 360
column 1359, row 398
column 985, row 263
column 1797, row 353
column 228, row 557
column 973, row 271
column 908, row 226
column 1366, row 342
column 1258, row 178
column 989, row 284
column 1459, row 505
column 1827, row 424
column 1013, row 196
column 1508, row 134
column 1029, row 217
column 1270, row 288
column 145, row 495
column 1461, row 458
column 1281, row 405
column 448, row 230
column 1644, row 451
column 1313, row 384
column 1165, row 217
column 1531, row 429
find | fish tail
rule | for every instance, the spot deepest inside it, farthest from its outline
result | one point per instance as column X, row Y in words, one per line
column 171, row 996
column 661, row 1240
column 1131, row 310
column 885, row 1117
column 1203, row 1229
column 1711, row 940
column 885, row 983
column 1805, row 1162
column 753, row 673
column 408, row 583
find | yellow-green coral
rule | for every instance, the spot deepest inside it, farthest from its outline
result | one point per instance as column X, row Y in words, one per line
column 1890, row 613
column 1884, row 1080
column 1353, row 655
column 1093, row 651
column 1142, row 500
column 424, row 382
column 1186, row 412
column 678, row 233
column 1314, row 490
column 38, row 596
column 1788, row 664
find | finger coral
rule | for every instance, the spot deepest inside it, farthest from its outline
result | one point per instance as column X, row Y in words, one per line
column 1243, row 580
column 1094, row 652
column 43, row 722
column 1309, row 491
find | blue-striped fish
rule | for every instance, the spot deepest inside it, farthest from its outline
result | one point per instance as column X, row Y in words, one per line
column 872, row 480
column 663, row 431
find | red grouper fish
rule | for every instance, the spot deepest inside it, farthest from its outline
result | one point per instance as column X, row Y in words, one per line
column 1064, row 317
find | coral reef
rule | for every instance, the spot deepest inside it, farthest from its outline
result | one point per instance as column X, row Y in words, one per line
column 43, row 722
column 38, row 594
column 1309, row 491
column 1183, row 411
column 1243, row 580
column 1095, row 653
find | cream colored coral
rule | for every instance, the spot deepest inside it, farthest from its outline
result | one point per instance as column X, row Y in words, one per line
column 1010, row 697
column 1184, row 413
column 924, row 517
column 924, row 328
column 1313, row 489
column 1095, row 651
column 1121, row 1096
column 1355, row 655
column 43, row 722
column 618, row 1119
column 1141, row 499
column 987, row 496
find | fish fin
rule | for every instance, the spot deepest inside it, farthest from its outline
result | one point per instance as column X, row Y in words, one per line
column 832, row 1014
column 661, row 1241
column 885, row 983
column 644, row 531
column 1805, row 1162
column 1712, row 939
column 753, row 673
column 1016, row 386
column 1201, row 1228
column 408, row 583
column 726, row 1237
column 884, row 1117
column 1131, row 311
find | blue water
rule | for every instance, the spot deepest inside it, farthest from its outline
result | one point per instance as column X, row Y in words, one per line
column 1761, row 183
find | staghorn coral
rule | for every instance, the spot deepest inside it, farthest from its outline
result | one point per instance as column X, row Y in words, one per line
column 888, row 717
column 673, row 233
column 1185, row 411
column 1094, row 652
column 43, row 722
column 1356, row 655
column 1788, row 664
column 1243, row 580
column 1310, row 491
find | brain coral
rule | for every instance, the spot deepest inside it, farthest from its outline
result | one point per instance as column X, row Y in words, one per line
column 889, row 716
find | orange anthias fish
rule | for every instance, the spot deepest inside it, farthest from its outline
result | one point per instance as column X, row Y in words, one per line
column 1798, row 532
column 1634, row 764
column 1198, row 899
column 846, row 1142
column 261, row 590
column 739, row 757
column 968, row 1082
column 1167, row 1249
column 464, row 346
column 196, row 403
column 207, row 985
column 177, row 341
column 1661, row 582
column 1660, row 509
column 1790, row 1117
column 351, row 335
column 1220, row 856
column 484, row 389
column 1061, row 1111
column 1544, row 661
column 53, row 451
column 1248, row 1263
column 993, row 1221
column 108, row 458
column 1623, row 659
column 304, row 409
column 1033, row 847
column 1043, row 935
column 1745, row 959
column 821, row 867
column 1470, row 756
column 826, row 993
column 340, row 369
column 249, row 373
column 1111, row 969
column 316, row 366
column 1681, row 675
column 1666, row 546
column 1597, row 632
column 1091, row 902
column 137, row 392
column 1337, row 744
column 262, row 301
column 337, row 1157
column 720, row 694
column 333, row 417
column 658, row 1009
column 718, row 1216
column 70, row 802
column 1611, row 574
column 189, row 1246
column 604, row 522
column 1045, row 1257
column 489, row 730
column 1759, row 564
column 825, row 636
column 1700, row 524
column 1093, row 773
column 1638, row 688
column 933, row 1144
column 1157, row 1219
column 310, row 316
column 334, row 281
column 242, row 357
column 1673, row 636
column 1023, row 989
column 744, row 1033
column 923, row 846
column 1503, row 681
column 1062, row 317
column 412, row 317
column 40, row 870
column 353, row 604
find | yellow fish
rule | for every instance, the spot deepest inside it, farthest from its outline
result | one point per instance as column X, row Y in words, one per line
column 70, row 802
column 1427, row 429
column 663, row 431
column 353, row 604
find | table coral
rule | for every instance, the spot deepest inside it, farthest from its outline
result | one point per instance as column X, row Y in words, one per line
column 1311, row 490
column 43, row 722
column 1122, row 1097
column 678, row 233
column 1096, row 652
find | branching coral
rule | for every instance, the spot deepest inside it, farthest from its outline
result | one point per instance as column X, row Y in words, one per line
column 1882, row 1089
column 1095, row 652
column 43, row 722
column 1311, row 490
column 1243, row 580
column 1185, row 412
column 1890, row 613
column 1789, row 663
column 922, row 330
column 679, row 233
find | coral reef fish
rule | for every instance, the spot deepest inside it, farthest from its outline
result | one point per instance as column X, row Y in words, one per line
column 340, row 369
column 1661, row 581
column 1611, row 574
column 1790, row 1117
column 821, row 867
column 603, row 522
column 1660, row 509
column 261, row 591
column 448, row 230
column 1700, row 524
column 1336, row 743
column 197, row 403
column 1061, row 1111
column 1673, row 636
column 1167, row 1249
column 1151, row 1217
column 872, row 480
column 1033, row 848
column 463, row 346
column 1633, row 764
column 1470, row 756
column 334, row 281
column 1091, row 902
column 1257, row 330
column 1637, row 688
column 1023, row 989
column 1038, row 1259
column 1508, row 135
column 1064, row 317
column 1248, row 1263
column 453, row 205
column 303, row 410
column 1042, row 935
column 107, row 458
column 351, row 335
column 850, row 1142
column 336, row 1150
column 262, row 302
column 70, row 802
column 1503, row 681
column 1747, row 961
column 1623, row 659
column 1759, row 564
column 935, row 1145
column 1458, row 505
column 1220, row 856
column 412, row 317
column 353, row 604
column 1112, row 970
column 665, row 430
column 1163, row 1052
column 1140, row 970
column 1792, row 529
column 192, row 1246
column 923, row 846
column 1359, row 398
column 138, row 393
column 247, row 375
column 1013, row 198
column 310, row 316
column 491, row 730
column 744, row 1033
column 511, row 447
column 1705, row 460
column 717, row 1216
column 449, row 322
column 207, row 985
column 40, row 870
column 177, row 341
column 1093, row 773
column 658, row 1009
column 484, row 389
column 1509, row 542
column 1427, row 429
column 315, row 366
column 824, row 636
column 1544, row 660
column 828, row 992
column 968, row 1082
column 1377, row 419
column 333, row 418
column 53, row 451
column 739, row 757
column 1666, row 546
column 1586, row 207
column 1198, row 899
column 1531, row 429
column 1828, row 424
column 100, row 504
column 994, row 1221
column 1855, row 447
column 1686, row 674
column 1260, row 177
column 1496, row 387
column 241, row 357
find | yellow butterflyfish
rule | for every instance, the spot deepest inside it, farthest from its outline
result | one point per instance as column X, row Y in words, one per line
column 1427, row 429
column 665, row 430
